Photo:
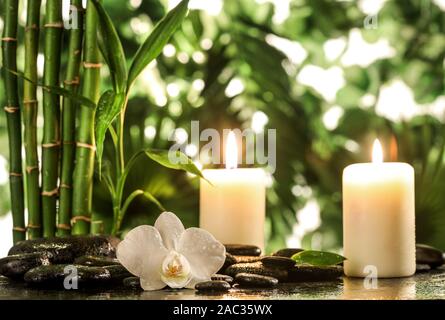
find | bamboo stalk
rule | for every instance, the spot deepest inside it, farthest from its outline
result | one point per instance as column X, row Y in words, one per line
column 51, row 113
column 12, row 109
column 69, row 120
column 30, row 106
column 85, row 148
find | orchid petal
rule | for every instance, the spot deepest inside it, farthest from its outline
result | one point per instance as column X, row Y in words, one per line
column 141, row 253
column 204, row 253
column 170, row 228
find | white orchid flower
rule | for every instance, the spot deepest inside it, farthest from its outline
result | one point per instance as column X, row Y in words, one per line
column 169, row 255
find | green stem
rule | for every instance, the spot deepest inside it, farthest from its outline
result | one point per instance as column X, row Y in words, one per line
column 84, row 167
column 12, row 109
column 51, row 114
column 69, row 120
column 124, row 209
column 30, row 109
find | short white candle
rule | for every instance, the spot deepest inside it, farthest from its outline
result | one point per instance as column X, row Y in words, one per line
column 233, row 208
column 379, row 218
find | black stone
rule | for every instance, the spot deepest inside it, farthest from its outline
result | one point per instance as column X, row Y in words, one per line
column 429, row 255
column 227, row 263
column 278, row 262
column 422, row 268
column 118, row 272
column 257, row 268
column 222, row 277
column 66, row 249
column 16, row 266
column 132, row 282
column 214, row 285
column 287, row 252
column 307, row 273
column 242, row 250
column 96, row 261
column 247, row 259
column 54, row 276
column 255, row 280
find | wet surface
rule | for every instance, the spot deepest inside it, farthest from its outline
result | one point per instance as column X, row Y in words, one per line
column 428, row 285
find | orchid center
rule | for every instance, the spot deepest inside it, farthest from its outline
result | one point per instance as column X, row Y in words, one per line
column 175, row 270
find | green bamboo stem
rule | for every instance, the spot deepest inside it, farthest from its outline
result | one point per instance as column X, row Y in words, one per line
column 12, row 109
column 68, row 122
column 30, row 106
column 85, row 148
column 51, row 113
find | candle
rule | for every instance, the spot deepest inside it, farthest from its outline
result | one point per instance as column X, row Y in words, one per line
column 233, row 207
column 378, row 218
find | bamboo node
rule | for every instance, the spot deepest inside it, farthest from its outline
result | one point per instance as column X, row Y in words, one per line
column 9, row 39
column 54, row 25
column 33, row 226
column 63, row 226
column 10, row 109
column 81, row 218
column 86, row 145
column 32, row 27
column 51, row 145
column 75, row 80
column 19, row 229
column 30, row 169
column 68, row 142
column 15, row 174
column 50, row 193
column 65, row 186
column 91, row 65
column 30, row 102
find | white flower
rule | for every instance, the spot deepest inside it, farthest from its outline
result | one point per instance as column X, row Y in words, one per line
column 167, row 254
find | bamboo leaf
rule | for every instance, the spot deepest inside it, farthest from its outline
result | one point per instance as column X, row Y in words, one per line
column 174, row 160
column 112, row 49
column 108, row 108
column 70, row 95
column 317, row 258
column 57, row 90
column 155, row 42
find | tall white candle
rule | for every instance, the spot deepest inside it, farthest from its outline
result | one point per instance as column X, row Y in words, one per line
column 233, row 208
column 379, row 218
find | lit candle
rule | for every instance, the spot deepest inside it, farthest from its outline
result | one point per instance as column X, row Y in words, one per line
column 378, row 218
column 233, row 207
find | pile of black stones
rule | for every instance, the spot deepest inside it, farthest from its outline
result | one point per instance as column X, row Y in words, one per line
column 44, row 262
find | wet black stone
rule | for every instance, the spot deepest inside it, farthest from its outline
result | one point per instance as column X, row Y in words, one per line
column 213, row 285
column 118, row 272
column 228, row 262
column 307, row 273
column 132, row 282
column 66, row 249
column 242, row 250
column 287, row 252
column 278, row 262
column 422, row 268
column 222, row 277
column 16, row 266
column 54, row 276
column 256, row 268
column 429, row 255
column 255, row 280
column 247, row 259
column 96, row 261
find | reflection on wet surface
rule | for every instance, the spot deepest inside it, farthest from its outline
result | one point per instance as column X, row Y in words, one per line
column 430, row 285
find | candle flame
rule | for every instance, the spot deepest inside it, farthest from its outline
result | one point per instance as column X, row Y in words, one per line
column 377, row 153
column 231, row 151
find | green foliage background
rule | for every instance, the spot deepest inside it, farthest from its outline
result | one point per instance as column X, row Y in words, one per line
column 308, row 153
